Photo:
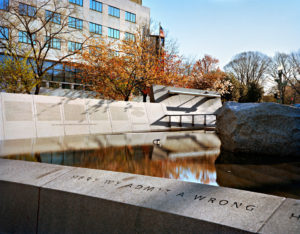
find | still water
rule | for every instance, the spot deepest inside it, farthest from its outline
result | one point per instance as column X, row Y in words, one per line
column 187, row 156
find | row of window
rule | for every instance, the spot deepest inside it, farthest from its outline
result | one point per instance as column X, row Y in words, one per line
column 113, row 11
column 28, row 10
column 54, row 43
column 94, row 28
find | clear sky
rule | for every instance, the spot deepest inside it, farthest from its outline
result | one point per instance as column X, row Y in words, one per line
column 224, row 28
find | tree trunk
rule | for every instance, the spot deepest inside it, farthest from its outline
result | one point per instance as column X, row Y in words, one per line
column 37, row 89
column 144, row 97
column 126, row 98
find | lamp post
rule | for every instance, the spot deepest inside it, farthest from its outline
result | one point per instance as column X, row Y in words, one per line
column 280, row 73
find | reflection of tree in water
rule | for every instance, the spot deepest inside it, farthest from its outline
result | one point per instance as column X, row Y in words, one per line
column 131, row 159
column 137, row 160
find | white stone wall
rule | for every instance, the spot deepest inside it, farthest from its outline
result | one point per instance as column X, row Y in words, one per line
column 29, row 116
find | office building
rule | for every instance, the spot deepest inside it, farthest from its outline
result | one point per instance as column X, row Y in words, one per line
column 116, row 19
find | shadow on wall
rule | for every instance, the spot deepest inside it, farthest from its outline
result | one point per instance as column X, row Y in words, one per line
column 186, row 101
column 36, row 116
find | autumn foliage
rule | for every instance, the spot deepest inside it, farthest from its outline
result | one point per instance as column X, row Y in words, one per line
column 117, row 70
column 206, row 75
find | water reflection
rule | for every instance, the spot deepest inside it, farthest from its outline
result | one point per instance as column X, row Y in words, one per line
column 180, row 156
column 260, row 173
column 136, row 160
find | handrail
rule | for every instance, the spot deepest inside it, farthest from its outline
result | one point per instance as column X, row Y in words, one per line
column 64, row 83
column 183, row 115
column 194, row 93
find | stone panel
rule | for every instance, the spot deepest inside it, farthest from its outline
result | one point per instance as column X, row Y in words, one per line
column 30, row 173
column 75, row 117
column 156, row 112
column 118, row 113
column 49, row 118
column 18, row 111
column 74, row 112
column 19, row 186
column 18, row 208
column 219, row 207
column 120, row 116
column 139, row 118
column 285, row 220
column 99, row 116
column 173, row 101
column 48, row 112
column 18, row 116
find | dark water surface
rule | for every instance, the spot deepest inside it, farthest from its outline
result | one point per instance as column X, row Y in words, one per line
column 186, row 157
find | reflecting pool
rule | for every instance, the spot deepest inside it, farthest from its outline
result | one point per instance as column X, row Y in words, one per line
column 188, row 156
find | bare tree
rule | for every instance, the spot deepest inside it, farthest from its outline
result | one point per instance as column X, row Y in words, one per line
column 295, row 78
column 289, row 66
column 281, row 61
column 249, row 67
column 42, row 29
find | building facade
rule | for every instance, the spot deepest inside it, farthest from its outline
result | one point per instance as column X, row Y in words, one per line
column 116, row 19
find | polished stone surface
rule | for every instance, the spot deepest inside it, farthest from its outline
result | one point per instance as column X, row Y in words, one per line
column 49, row 116
column 99, row 116
column 19, row 193
column 85, row 200
column 238, row 209
column 285, row 220
column 34, row 174
column 18, row 116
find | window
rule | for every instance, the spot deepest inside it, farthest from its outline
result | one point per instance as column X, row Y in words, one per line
column 27, row 10
column 130, row 17
column 54, row 43
column 96, row 28
column 114, row 11
column 53, row 17
column 95, row 5
column 113, row 33
column 75, row 23
column 25, row 38
column 3, row 33
column 129, row 36
column 4, row 5
column 61, row 73
column 77, row 2
column 73, row 46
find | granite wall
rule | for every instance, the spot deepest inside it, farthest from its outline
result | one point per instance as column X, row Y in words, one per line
column 30, row 116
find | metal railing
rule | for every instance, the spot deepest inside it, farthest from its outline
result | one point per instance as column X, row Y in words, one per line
column 64, row 85
column 184, row 115
column 205, row 94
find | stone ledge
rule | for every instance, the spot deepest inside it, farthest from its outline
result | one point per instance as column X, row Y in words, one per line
column 82, row 200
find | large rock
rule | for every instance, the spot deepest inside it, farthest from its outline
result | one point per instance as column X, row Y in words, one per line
column 259, row 128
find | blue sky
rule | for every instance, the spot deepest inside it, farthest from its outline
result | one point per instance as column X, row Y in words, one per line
column 223, row 28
